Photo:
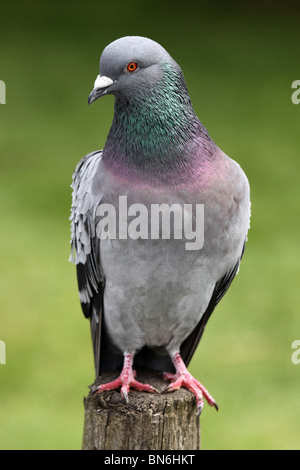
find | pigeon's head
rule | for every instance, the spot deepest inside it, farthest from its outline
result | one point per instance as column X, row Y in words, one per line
column 130, row 65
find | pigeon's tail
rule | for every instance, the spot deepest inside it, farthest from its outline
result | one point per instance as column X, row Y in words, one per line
column 110, row 359
column 151, row 359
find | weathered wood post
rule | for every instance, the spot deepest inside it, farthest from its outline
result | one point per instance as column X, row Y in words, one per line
column 148, row 422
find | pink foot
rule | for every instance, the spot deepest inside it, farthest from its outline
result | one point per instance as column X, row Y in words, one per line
column 126, row 381
column 183, row 378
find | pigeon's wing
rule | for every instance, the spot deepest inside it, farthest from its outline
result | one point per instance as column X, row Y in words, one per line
column 189, row 346
column 85, row 251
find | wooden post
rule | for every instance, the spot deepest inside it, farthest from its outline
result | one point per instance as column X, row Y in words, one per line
column 148, row 422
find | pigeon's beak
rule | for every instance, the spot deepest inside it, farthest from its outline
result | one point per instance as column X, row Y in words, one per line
column 100, row 88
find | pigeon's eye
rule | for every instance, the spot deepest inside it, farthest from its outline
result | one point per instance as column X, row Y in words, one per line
column 132, row 66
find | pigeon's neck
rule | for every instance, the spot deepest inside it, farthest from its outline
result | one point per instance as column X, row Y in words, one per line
column 157, row 133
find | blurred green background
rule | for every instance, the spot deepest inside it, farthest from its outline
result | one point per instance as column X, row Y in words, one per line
column 239, row 64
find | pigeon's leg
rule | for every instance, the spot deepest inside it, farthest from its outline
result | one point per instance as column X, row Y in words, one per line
column 183, row 378
column 126, row 380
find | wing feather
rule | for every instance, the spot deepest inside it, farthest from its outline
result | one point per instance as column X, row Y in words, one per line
column 85, row 248
column 189, row 346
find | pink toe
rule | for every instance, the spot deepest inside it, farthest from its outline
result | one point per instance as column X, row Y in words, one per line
column 109, row 386
column 168, row 376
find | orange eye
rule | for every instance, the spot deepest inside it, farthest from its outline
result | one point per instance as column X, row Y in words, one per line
column 132, row 66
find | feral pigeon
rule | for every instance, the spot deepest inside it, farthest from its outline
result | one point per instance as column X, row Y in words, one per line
column 148, row 291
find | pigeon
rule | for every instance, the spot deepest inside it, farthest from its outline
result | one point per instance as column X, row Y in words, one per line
column 148, row 298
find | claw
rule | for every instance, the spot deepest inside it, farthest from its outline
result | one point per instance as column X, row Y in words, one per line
column 200, row 408
column 174, row 385
column 125, row 396
column 154, row 390
column 216, row 406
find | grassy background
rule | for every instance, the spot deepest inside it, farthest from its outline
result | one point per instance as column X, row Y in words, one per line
column 239, row 65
